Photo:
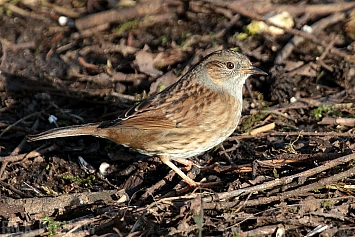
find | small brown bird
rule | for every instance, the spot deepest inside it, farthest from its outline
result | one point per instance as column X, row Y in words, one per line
column 189, row 117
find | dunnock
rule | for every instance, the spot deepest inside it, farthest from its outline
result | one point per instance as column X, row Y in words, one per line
column 189, row 117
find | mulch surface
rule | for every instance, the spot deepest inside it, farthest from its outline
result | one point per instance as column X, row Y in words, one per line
column 288, row 170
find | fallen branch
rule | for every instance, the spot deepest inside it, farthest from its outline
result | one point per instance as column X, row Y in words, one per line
column 289, row 179
column 316, row 28
column 48, row 205
column 129, row 13
column 238, row 7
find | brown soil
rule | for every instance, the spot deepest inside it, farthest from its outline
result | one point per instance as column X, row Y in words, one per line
column 287, row 169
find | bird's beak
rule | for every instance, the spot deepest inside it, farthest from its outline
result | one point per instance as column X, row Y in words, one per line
column 253, row 71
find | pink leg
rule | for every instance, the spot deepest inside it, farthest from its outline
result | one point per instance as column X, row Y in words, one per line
column 188, row 180
column 186, row 162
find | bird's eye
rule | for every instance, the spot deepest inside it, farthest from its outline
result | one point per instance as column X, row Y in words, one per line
column 230, row 65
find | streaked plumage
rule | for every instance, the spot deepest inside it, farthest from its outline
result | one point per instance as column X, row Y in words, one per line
column 191, row 116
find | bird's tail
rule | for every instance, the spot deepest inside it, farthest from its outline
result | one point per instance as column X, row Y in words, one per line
column 76, row 130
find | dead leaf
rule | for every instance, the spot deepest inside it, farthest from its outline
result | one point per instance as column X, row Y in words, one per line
column 163, row 82
column 144, row 61
column 170, row 57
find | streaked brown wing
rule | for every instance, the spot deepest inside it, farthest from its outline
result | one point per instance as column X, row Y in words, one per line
column 150, row 119
column 183, row 104
column 140, row 108
column 192, row 108
column 145, row 115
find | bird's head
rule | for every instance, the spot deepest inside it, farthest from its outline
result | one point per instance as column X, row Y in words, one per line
column 227, row 70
